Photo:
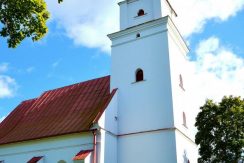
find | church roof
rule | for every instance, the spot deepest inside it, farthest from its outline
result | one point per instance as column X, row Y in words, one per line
column 66, row 110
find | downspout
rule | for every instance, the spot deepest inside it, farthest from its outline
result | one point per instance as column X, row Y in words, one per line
column 94, row 146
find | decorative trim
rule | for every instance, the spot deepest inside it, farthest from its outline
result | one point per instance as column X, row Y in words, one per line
column 175, row 33
column 48, row 149
column 134, row 39
column 145, row 25
column 127, row 1
column 170, row 6
column 137, row 17
column 135, row 82
column 170, row 26
column 149, row 131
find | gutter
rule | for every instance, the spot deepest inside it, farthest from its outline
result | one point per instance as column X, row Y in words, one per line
column 94, row 146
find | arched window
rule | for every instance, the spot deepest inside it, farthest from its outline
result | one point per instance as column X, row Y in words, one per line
column 184, row 119
column 141, row 12
column 139, row 75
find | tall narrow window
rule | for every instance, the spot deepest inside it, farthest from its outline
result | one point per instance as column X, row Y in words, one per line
column 139, row 75
column 184, row 119
column 141, row 12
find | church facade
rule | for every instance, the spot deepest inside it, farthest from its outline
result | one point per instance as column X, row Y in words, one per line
column 138, row 114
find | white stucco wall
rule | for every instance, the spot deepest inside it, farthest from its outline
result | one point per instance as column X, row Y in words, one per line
column 144, row 105
column 107, row 141
column 181, row 97
column 155, row 103
column 156, row 147
column 186, row 149
column 53, row 149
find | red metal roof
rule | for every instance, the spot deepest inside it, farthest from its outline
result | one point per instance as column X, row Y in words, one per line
column 35, row 159
column 66, row 110
column 82, row 154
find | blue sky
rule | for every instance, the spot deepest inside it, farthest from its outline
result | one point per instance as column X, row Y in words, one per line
column 74, row 50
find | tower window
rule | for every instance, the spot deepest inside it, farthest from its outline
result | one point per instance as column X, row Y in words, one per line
column 141, row 12
column 139, row 75
column 184, row 119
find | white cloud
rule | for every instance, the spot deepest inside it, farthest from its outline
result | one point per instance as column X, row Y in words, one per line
column 30, row 69
column 88, row 22
column 193, row 14
column 3, row 67
column 217, row 71
column 7, row 86
column 56, row 63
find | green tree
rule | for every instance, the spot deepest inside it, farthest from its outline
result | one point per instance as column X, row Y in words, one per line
column 221, row 131
column 20, row 19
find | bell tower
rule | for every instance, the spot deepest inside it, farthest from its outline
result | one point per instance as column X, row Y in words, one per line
column 134, row 12
column 148, row 58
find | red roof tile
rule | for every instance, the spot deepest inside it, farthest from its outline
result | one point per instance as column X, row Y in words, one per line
column 82, row 154
column 66, row 110
column 35, row 159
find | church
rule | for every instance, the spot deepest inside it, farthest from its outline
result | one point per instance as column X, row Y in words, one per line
column 138, row 114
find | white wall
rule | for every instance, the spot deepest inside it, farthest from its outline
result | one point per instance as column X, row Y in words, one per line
column 144, row 105
column 107, row 141
column 155, row 103
column 186, row 149
column 53, row 149
column 156, row 147
column 181, row 98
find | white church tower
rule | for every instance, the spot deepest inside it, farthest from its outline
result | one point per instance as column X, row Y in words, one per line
column 148, row 58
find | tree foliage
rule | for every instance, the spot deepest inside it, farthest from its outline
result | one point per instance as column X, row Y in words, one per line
column 221, row 131
column 20, row 19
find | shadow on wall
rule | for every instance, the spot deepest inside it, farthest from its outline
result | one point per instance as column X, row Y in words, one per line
column 185, row 158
